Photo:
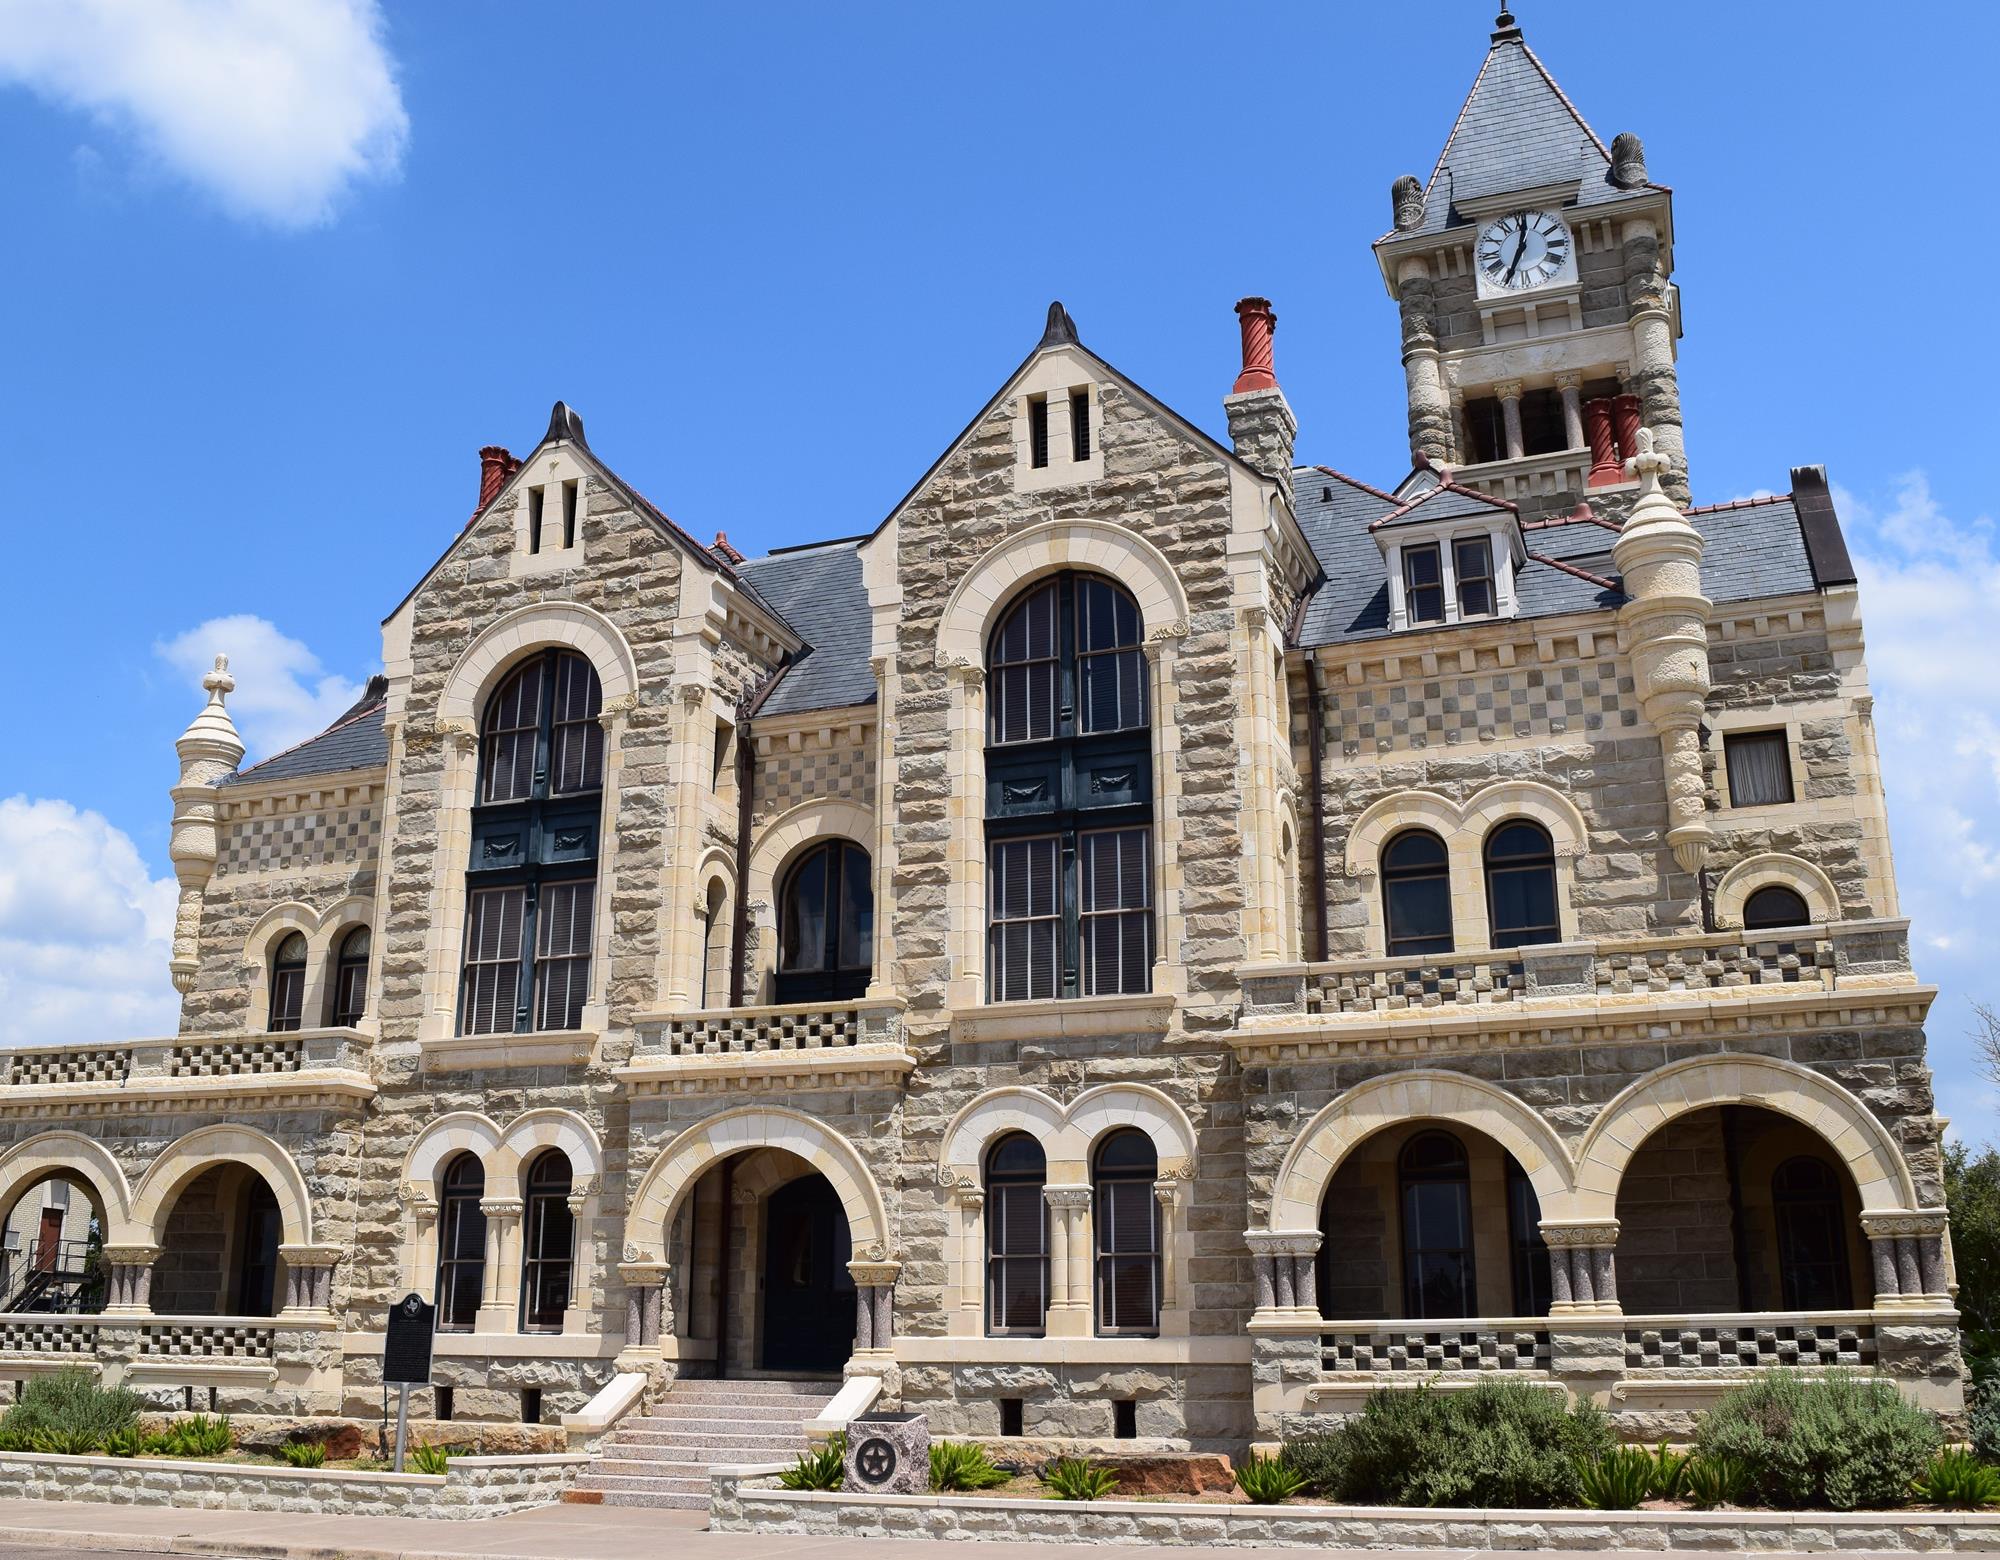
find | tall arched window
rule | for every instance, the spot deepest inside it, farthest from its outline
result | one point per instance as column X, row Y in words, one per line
column 1128, row 1233
column 1017, row 1236
column 288, row 983
column 532, row 875
column 461, row 1271
column 1521, row 885
column 1416, row 894
column 350, row 978
column 826, row 925
column 1772, row 906
column 1532, row 1287
column 1436, row 1198
column 549, row 1243
column 1812, row 1236
column 1069, row 795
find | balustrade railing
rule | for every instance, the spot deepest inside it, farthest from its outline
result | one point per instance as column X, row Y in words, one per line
column 135, row 1063
column 1430, row 1347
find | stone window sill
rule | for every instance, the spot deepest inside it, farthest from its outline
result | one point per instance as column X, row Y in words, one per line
column 1065, row 1017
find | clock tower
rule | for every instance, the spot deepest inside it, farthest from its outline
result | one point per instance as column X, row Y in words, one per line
column 1534, row 275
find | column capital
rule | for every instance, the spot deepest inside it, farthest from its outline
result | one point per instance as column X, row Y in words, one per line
column 873, row 1275
column 500, row 1207
column 1571, row 1235
column 1282, row 1243
column 1907, row 1223
column 1067, row 1196
column 1569, row 381
column 1508, row 389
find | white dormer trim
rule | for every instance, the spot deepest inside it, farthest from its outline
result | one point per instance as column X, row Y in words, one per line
column 1057, row 375
column 1502, row 535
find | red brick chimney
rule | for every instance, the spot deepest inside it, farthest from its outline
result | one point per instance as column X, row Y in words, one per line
column 1259, row 322
column 495, row 467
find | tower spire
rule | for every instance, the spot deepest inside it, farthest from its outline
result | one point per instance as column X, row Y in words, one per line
column 1505, row 28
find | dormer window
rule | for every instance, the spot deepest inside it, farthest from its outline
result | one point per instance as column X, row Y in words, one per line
column 1423, row 583
column 1472, row 561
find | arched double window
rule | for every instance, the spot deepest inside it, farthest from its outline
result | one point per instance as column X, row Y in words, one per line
column 288, row 983
column 1128, row 1233
column 826, row 925
column 1435, row 1183
column 532, row 876
column 1521, row 885
column 1812, row 1235
column 1416, row 894
column 461, row 1271
column 1069, row 795
column 1017, row 1237
column 350, row 978
column 1772, row 906
column 548, row 1250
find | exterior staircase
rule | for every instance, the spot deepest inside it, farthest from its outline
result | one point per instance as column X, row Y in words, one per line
column 661, row 1457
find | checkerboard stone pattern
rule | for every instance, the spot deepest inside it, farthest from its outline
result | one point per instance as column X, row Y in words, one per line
column 233, row 1058
column 1733, row 1348
column 69, row 1066
column 348, row 836
column 203, row 1341
column 1520, row 702
column 785, row 778
column 1343, row 1353
column 49, row 1336
column 1764, row 962
column 1418, row 985
column 820, row 1029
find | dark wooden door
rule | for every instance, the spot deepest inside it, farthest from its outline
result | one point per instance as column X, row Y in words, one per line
column 808, row 1292
column 49, row 1241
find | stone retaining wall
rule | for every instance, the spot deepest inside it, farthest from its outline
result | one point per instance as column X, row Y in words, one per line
column 471, row 1487
column 738, row 1505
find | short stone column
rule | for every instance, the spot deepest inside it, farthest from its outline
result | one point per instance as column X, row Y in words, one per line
column 968, row 1317
column 499, row 1287
column 1509, row 392
column 309, row 1278
column 645, row 1288
column 1583, row 1266
column 129, row 1278
column 1570, row 386
column 1605, row 467
column 1283, row 1269
column 1166, row 1192
column 874, row 1305
column 1906, row 1251
column 1069, row 1261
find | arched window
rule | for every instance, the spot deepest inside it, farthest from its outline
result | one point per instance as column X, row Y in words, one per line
column 1532, row 1288
column 461, row 1244
column 1017, row 1236
column 1436, row 1198
column 1521, row 885
column 259, row 1229
column 531, row 878
column 350, row 978
column 1128, row 1233
column 1774, row 905
column 1416, row 894
column 1812, row 1236
column 549, row 1243
column 288, row 983
column 826, row 925
column 1069, row 795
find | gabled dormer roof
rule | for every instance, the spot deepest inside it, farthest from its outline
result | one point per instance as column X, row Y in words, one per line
column 1517, row 130
column 1446, row 501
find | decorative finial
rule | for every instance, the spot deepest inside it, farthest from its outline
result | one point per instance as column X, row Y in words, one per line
column 1061, row 329
column 1628, row 161
column 1647, row 465
column 218, row 682
column 1505, row 27
column 1406, row 201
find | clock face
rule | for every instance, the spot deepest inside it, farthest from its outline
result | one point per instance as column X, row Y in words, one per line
column 1523, row 249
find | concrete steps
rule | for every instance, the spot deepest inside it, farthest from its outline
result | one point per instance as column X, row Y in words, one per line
column 661, row 1458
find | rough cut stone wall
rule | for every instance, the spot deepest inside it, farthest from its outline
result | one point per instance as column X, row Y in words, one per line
column 1676, row 1238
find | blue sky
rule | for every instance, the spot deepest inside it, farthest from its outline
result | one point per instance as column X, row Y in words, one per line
column 274, row 269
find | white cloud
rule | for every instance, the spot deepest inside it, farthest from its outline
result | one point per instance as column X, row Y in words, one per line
column 275, row 107
column 282, row 696
column 85, row 930
column 1928, row 583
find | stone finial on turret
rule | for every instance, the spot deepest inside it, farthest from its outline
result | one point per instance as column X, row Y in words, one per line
column 208, row 750
column 1665, row 625
column 1628, row 161
column 1406, row 200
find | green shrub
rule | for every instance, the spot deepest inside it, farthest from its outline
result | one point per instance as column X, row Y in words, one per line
column 1712, row 1480
column 67, row 1411
column 959, row 1465
column 1071, row 1478
column 1618, row 1480
column 1497, row 1444
column 1669, row 1476
column 1266, row 1481
column 199, row 1435
column 304, row 1454
column 128, row 1442
column 1986, row 1419
column 1838, row 1443
column 823, row 1469
column 1958, row 1480
column 428, row 1458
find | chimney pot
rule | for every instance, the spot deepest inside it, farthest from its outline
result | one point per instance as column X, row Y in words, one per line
column 496, row 465
column 1259, row 322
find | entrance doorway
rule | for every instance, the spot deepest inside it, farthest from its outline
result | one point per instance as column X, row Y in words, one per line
column 808, row 1292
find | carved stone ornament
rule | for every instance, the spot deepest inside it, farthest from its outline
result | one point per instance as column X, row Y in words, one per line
column 1067, row 1196
column 870, row 1275
column 1177, row 629
column 1911, row 1225
column 1567, row 1235
column 693, row 694
column 632, row 1253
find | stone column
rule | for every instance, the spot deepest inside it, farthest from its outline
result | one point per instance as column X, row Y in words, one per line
column 967, row 1320
column 645, row 1290
column 1287, row 1283
column 129, row 1278
column 309, row 1278
column 874, row 1305
column 1165, row 1193
column 1653, row 377
column 1430, row 420
column 1665, row 623
column 882, row 956
column 1583, row 1270
column 583, row 1251
column 208, row 750
column 1603, row 442
column 500, row 1278
column 1069, row 1263
column 1509, row 392
column 1571, row 388
column 1625, row 424
column 1888, row 1283
column 1906, row 1251
column 694, row 731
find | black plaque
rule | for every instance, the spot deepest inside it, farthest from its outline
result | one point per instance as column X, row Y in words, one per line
column 406, row 1347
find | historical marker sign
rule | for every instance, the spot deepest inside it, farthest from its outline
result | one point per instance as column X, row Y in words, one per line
column 406, row 1347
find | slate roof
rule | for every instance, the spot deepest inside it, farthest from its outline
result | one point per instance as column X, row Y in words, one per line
column 818, row 591
column 1754, row 548
column 355, row 741
column 1515, row 131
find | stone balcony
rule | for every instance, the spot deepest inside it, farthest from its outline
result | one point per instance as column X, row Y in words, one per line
column 1468, row 1001
column 791, row 1046
column 304, row 1066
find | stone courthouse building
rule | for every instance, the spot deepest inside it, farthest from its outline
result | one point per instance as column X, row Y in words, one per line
column 1157, row 937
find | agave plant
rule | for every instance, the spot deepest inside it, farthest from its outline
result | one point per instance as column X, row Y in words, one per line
column 1959, row 1481
column 304, row 1454
column 1669, row 1473
column 823, row 1469
column 1711, row 1481
column 959, row 1465
column 1265, row 1481
column 1618, row 1480
column 1071, row 1478
column 429, row 1458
